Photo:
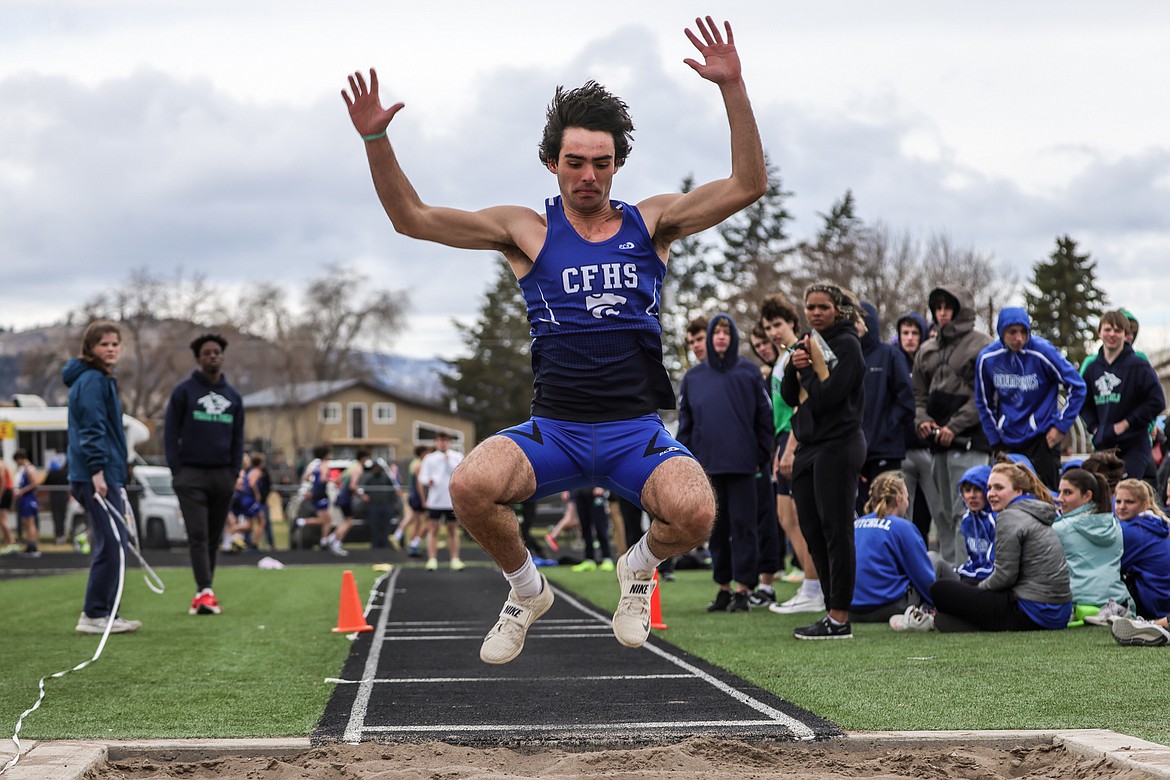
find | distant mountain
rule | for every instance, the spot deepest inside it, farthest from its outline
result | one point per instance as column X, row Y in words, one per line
column 420, row 378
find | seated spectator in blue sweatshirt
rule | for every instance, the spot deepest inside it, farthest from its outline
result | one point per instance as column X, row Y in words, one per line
column 1145, row 559
column 977, row 528
column 1018, row 383
column 894, row 570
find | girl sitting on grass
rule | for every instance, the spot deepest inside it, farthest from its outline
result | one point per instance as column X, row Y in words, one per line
column 1091, row 539
column 894, row 571
column 1145, row 561
column 1029, row 588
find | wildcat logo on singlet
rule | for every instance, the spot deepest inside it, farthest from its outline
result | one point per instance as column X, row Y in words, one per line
column 1105, row 385
column 214, row 405
column 594, row 280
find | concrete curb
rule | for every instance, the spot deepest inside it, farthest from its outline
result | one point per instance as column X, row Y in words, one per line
column 70, row 760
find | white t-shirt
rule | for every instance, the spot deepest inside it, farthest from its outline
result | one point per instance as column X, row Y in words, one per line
column 434, row 474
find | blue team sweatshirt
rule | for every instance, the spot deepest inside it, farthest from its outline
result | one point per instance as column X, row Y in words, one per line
column 891, row 556
column 978, row 528
column 889, row 398
column 1145, row 560
column 1018, row 393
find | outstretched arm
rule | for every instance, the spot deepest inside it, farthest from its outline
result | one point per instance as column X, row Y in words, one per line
column 502, row 228
column 674, row 216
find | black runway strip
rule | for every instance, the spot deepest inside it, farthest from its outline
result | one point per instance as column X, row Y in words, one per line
column 418, row 677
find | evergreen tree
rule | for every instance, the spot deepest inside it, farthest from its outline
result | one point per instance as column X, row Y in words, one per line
column 1064, row 301
column 755, row 251
column 493, row 384
column 689, row 290
column 834, row 253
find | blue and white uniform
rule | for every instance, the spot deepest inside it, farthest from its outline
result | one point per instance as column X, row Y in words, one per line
column 596, row 359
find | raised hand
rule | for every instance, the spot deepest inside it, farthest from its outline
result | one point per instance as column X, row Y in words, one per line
column 365, row 108
column 721, row 60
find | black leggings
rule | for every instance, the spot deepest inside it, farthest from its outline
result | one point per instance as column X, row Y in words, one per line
column 824, row 487
column 963, row 607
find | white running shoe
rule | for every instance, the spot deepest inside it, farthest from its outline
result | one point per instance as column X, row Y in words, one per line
column 506, row 639
column 801, row 602
column 1138, row 632
column 914, row 619
column 631, row 619
column 88, row 625
column 1110, row 612
column 457, row 564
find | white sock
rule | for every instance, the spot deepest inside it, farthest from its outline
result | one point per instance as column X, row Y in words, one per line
column 639, row 557
column 812, row 588
column 526, row 580
column 766, row 588
column 398, row 534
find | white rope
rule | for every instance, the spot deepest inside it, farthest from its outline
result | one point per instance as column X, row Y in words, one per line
column 111, row 514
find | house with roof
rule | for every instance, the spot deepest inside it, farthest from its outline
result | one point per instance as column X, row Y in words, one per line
column 347, row 414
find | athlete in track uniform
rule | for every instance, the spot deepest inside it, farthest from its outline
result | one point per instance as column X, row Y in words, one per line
column 591, row 270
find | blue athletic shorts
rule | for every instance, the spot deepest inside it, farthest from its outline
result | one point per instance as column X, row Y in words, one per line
column 618, row 455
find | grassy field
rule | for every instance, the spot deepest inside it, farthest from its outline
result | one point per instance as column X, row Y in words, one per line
column 259, row 670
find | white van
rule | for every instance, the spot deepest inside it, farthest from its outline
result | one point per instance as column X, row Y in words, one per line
column 42, row 432
column 156, row 508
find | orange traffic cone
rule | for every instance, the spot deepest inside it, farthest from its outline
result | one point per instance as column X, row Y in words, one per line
column 349, row 615
column 656, row 607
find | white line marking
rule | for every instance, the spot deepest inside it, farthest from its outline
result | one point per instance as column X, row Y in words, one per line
column 361, row 702
column 439, row 637
column 356, row 728
column 681, row 724
column 573, row 678
column 799, row 729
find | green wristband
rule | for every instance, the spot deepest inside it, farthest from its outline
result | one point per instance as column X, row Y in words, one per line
column 374, row 137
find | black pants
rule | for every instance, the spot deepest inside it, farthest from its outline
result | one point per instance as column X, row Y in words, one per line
column 768, row 525
column 527, row 519
column 735, row 545
column 594, row 523
column 1046, row 459
column 380, row 519
column 205, row 495
column 964, row 607
column 824, row 487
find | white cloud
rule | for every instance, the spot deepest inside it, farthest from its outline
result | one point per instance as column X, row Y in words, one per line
column 212, row 137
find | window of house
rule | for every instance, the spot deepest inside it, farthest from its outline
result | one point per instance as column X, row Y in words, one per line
column 385, row 413
column 357, row 421
column 330, row 412
column 424, row 433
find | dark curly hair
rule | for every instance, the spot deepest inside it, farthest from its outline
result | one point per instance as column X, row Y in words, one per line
column 591, row 107
column 198, row 343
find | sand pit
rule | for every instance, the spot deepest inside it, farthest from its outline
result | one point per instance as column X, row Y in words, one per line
column 700, row 757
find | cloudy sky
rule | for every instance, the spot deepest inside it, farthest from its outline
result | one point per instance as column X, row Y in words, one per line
column 210, row 137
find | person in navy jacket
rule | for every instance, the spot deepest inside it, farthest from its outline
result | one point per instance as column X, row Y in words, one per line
column 1124, row 398
column 204, row 436
column 894, row 570
column 725, row 419
column 889, row 403
column 1018, row 381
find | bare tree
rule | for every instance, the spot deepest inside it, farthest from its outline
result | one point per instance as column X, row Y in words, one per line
column 946, row 265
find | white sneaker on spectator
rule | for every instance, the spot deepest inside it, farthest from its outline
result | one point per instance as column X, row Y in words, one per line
column 913, row 619
column 801, row 602
column 1110, row 612
column 88, row 625
column 1139, row 632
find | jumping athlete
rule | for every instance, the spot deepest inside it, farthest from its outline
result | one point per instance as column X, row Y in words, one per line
column 591, row 270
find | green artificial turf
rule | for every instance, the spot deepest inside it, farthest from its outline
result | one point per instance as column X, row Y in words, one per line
column 883, row 680
column 259, row 670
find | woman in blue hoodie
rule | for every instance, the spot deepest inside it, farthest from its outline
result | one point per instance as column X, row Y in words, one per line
column 97, row 470
column 1145, row 561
